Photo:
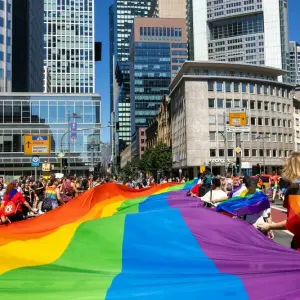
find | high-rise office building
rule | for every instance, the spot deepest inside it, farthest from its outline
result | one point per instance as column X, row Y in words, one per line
column 27, row 45
column 122, row 20
column 295, row 63
column 158, row 50
column 254, row 32
column 69, row 45
column 168, row 9
column 5, row 45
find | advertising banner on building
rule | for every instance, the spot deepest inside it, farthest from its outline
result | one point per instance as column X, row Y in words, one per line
column 73, row 131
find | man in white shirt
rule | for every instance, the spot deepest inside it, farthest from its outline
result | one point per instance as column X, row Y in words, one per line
column 216, row 194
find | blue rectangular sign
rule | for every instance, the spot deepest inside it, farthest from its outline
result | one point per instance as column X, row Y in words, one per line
column 73, row 131
column 39, row 137
column 35, row 161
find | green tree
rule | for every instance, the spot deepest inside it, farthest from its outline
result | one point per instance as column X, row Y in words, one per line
column 128, row 169
column 162, row 157
column 145, row 163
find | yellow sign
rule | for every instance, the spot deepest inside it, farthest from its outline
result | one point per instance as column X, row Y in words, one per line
column 237, row 119
column 202, row 169
column 37, row 144
column 238, row 150
column 46, row 167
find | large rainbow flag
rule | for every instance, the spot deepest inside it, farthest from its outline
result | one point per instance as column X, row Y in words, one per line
column 117, row 243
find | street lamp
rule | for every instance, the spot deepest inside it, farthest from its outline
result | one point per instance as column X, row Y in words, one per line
column 263, row 137
column 73, row 116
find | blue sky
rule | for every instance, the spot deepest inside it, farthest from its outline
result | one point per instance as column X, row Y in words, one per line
column 102, row 35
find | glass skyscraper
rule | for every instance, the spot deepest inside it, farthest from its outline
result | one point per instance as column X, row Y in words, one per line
column 69, row 45
column 254, row 32
column 295, row 63
column 124, row 13
column 27, row 45
column 158, row 50
column 5, row 45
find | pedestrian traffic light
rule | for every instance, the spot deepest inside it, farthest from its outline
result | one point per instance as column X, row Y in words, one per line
column 65, row 163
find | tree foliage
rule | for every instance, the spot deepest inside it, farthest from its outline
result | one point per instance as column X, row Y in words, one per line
column 128, row 169
column 158, row 158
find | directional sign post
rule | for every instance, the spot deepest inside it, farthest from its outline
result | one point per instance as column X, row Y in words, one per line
column 37, row 144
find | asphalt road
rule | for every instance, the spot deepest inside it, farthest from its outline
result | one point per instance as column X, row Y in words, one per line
column 279, row 214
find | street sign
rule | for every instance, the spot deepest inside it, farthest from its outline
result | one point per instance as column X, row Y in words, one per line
column 238, row 150
column 37, row 144
column 238, row 129
column 238, row 118
column 202, row 169
column 35, row 161
column 46, row 167
column 91, row 169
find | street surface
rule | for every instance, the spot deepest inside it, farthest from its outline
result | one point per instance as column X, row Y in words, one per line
column 279, row 214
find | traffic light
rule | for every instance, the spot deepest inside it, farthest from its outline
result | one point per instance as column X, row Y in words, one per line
column 65, row 163
column 238, row 162
column 117, row 126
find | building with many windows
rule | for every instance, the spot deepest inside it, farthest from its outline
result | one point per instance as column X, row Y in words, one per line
column 295, row 63
column 34, row 113
column 203, row 93
column 69, row 45
column 168, row 9
column 122, row 15
column 27, row 45
column 247, row 31
column 158, row 50
column 5, row 45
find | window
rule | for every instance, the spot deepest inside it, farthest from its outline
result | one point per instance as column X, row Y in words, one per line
column 228, row 87
column 220, row 103
column 252, row 104
column 260, row 121
column 286, row 153
column 229, row 136
column 212, row 119
column 284, row 123
column 267, row 121
column 212, row 152
column 237, row 102
column 212, row 136
column 211, row 103
column 220, row 86
column 279, row 122
column 278, row 107
column 297, row 122
column 228, row 103
column 236, row 87
column 280, row 153
column 259, row 104
column 221, row 152
column 253, row 121
column 230, row 152
column 245, row 103
column 289, row 123
column 246, row 152
column 244, row 87
column 252, row 88
column 258, row 89
column 254, row 152
column 279, row 137
column 290, row 138
column 266, row 105
column 272, row 106
column 284, row 108
column 246, row 136
column 265, row 90
column 210, row 86
column 273, row 137
column 274, row 154
column 268, row 153
column 261, row 152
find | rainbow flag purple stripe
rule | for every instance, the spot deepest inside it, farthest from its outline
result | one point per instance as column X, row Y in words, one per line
column 154, row 244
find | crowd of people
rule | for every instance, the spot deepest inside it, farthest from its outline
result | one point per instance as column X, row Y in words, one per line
column 25, row 197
